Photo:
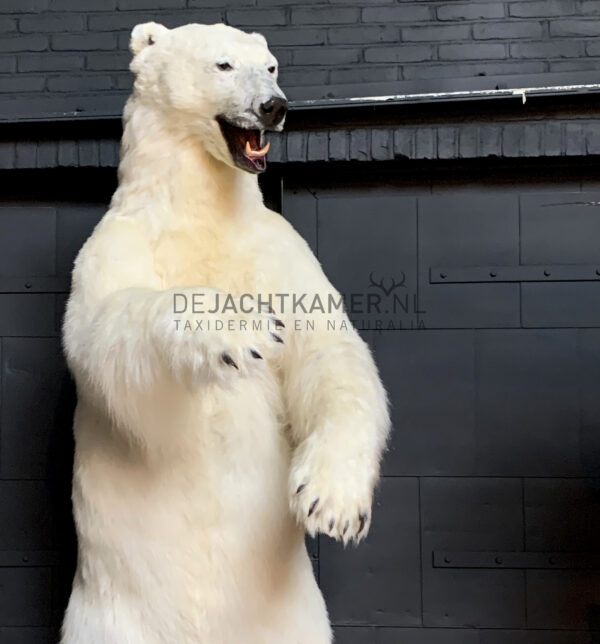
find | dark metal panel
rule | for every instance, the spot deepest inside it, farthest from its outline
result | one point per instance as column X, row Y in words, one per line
column 28, row 240
column 562, row 514
column 60, row 304
column 74, row 225
column 588, row 345
column 378, row 583
column 26, row 521
column 358, row 635
column 536, row 637
column 26, row 315
column 563, row 599
column 480, row 229
column 27, row 635
column 312, row 546
column 37, row 399
column 430, row 378
column 299, row 206
column 470, row 513
column 367, row 244
column 561, row 305
column 474, row 598
column 527, row 407
column 560, row 228
column 26, row 596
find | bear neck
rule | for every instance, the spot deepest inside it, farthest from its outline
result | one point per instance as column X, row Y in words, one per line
column 170, row 176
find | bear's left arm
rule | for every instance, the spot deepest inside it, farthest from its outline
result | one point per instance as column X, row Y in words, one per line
column 338, row 411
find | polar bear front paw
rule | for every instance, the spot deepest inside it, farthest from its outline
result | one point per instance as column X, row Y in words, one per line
column 241, row 350
column 332, row 495
column 205, row 347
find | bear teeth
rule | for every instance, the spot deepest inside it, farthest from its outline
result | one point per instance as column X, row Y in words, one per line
column 256, row 154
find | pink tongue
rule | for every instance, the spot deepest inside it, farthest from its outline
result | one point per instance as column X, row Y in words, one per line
column 256, row 154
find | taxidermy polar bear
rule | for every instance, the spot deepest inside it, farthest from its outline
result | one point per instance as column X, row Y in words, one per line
column 205, row 452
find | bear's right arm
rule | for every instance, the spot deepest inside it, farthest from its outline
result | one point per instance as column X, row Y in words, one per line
column 126, row 345
column 106, row 325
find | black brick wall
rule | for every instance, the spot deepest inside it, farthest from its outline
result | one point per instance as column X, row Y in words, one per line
column 69, row 57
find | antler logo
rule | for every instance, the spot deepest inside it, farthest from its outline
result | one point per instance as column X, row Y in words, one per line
column 387, row 290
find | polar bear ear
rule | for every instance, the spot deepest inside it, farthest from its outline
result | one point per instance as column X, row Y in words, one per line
column 144, row 35
column 261, row 39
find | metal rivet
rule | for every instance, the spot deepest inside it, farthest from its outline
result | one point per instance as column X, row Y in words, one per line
column 598, row 271
column 498, row 560
column 447, row 560
column 443, row 275
column 493, row 274
column 553, row 560
column 28, row 284
column 25, row 558
column 547, row 273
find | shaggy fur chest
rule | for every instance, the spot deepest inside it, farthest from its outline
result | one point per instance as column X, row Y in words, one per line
column 203, row 254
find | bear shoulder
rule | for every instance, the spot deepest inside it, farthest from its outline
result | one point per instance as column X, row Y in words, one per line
column 118, row 254
column 286, row 233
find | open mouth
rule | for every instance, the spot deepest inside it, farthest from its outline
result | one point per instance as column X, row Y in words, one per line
column 245, row 146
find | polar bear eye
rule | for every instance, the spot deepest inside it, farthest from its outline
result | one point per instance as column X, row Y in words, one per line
column 272, row 69
column 224, row 67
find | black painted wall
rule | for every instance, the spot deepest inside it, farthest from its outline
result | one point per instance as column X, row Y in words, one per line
column 62, row 57
column 488, row 514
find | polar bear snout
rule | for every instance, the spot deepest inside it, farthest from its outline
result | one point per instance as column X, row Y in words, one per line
column 273, row 111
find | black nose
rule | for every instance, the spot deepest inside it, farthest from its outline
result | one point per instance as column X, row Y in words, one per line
column 273, row 111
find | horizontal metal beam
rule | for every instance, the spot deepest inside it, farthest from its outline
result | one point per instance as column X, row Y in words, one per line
column 35, row 284
column 519, row 560
column 541, row 273
column 521, row 93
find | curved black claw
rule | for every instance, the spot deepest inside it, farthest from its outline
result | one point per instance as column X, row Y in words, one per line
column 313, row 506
column 331, row 524
column 301, row 487
column 276, row 337
column 227, row 359
column 255, row 354
column 278, row 323
column 346, row 526
column 363, row 520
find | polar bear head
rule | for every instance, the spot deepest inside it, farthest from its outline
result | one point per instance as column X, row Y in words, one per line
column 215, row 81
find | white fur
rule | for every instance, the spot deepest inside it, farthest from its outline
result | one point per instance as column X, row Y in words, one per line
column 190, row 526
